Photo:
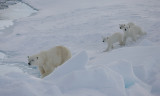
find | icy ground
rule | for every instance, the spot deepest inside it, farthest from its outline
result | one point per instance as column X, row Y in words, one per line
column 14, row 11
column 132, row 70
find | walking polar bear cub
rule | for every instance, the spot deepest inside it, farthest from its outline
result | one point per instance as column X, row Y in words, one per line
column 116, row 37
column 48, row 60
column 131, row 30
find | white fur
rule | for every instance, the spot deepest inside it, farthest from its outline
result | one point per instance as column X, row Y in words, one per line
column 131, row 24
column 116, row 37
column 131, row 30
column 48, row 60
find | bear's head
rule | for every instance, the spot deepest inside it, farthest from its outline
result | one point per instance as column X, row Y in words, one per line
column 126, row 28
column 122, row 26
column 105, row 39
column 33, row 60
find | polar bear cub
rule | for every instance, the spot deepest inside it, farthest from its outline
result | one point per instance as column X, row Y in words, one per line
column 116, row 37
column 48, row 60
column 136, row 29
column 131, row 30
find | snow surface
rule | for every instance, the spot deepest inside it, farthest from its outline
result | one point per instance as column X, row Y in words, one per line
column 15, row 11
column 131, row 70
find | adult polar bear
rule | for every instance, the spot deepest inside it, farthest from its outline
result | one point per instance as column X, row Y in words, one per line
column 48, row 60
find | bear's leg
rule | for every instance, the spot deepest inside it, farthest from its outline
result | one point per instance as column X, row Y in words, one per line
column 41, row 70
column 108, row 48
column 47, row 69
column 124, row 40
column 120, row 41
column 45, row 74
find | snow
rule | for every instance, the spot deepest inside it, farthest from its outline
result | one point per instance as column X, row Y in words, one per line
column 130, row 70
column 14, row 12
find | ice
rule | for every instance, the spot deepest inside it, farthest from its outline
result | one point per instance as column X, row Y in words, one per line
column 16, row 83
column 156, row 85
column 125, row 68
column 102, row 79
column 134, row 68
column 137, row 90
column 130, row 70
column 3, row 70
column 15, row 11
column 2, row 56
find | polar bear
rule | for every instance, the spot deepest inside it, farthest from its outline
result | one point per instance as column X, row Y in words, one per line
column 131, row 30
column 116, row 37
column 136, row 29
column 48, row 60
column 127, row 33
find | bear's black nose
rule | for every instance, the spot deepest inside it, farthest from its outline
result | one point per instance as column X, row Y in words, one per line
column 29, row 63
column 120, row 27
column 125, row 29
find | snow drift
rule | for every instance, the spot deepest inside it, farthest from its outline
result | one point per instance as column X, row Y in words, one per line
column 110, row 77
column 132, row 70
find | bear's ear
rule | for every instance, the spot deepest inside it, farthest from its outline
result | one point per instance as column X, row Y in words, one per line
column 37, row 58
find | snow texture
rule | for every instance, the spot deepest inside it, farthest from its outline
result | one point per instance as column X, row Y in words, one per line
column 130, row 70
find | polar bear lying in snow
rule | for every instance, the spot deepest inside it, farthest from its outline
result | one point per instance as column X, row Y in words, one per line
column 131, row 30
column 116, row 37
column 48, row 60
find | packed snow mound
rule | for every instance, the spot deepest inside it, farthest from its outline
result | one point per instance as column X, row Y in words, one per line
column 79, row 24
column 125, row 69
column 137, row 65
column 20, row 84
column 109, row 77
column 71, row 76
column 144, row 60
column 74, row 76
